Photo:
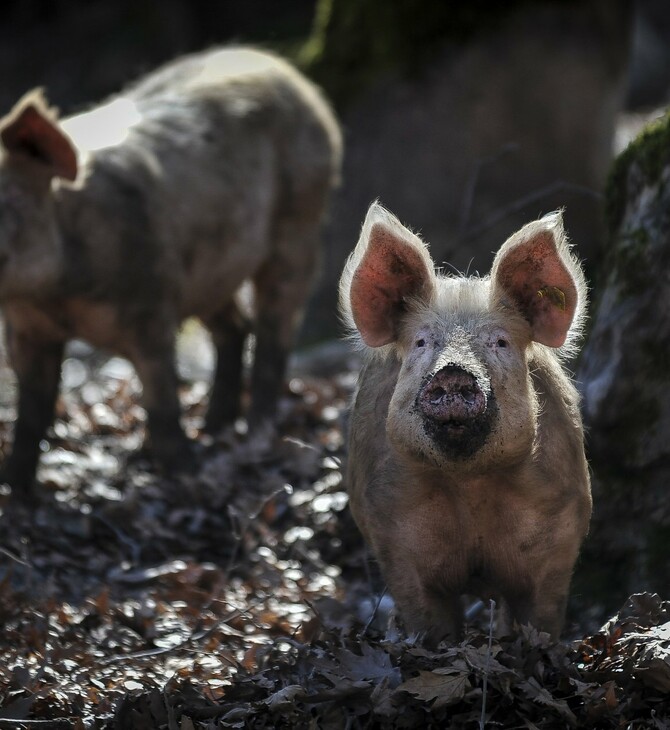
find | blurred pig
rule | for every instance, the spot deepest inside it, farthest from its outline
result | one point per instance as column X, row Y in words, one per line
column 466, row 466
column 118, row 223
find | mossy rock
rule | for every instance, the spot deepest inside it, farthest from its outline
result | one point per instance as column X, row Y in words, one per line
column 625, row 378
column 650, row 152
column 637, row 250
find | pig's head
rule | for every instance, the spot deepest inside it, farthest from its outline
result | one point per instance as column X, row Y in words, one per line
column 464, row 396
column 35, row 155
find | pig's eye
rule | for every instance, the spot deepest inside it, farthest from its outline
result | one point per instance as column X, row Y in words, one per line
column 502, row 342
column 420, row 343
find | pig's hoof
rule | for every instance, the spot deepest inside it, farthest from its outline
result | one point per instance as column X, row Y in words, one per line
column 179, row 460
column 261, row 436
column 20, row 485
column 259, row 442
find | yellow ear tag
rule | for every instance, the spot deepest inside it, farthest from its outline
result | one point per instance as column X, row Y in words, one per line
column 555, row 295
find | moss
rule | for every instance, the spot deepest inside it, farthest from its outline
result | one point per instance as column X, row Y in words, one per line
column 650, row 150
column 355, row 41
column 630, row 263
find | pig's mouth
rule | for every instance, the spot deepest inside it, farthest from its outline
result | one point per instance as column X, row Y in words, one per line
column 458, row 439
column 458, row 411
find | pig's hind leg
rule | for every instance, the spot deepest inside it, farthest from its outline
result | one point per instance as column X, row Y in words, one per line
column 282, row 285
column 229, row 329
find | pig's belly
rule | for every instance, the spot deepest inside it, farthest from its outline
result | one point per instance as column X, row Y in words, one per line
column 486, row 551
column 213, row 282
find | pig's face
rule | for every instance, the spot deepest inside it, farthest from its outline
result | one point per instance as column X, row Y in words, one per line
column 33, row 152
column 463, row 398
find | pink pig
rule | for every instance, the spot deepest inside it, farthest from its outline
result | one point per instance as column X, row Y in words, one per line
column 466, row 468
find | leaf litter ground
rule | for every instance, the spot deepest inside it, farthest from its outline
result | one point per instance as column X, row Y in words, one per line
column 242, row 597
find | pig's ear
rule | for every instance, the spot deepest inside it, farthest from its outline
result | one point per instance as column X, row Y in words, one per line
column 389, row 268
column 535, row 272
column 31, row 130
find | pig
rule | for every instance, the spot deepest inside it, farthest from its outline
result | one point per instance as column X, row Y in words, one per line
column 118, row 223
column 466, row 469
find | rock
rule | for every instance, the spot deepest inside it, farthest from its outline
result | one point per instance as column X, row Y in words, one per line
column 624, row 374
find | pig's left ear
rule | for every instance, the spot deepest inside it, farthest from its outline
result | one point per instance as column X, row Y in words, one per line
column 535, row 272
column 389, row 268
column 31, row 130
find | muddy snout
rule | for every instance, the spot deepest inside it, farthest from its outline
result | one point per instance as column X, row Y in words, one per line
column 452, row 395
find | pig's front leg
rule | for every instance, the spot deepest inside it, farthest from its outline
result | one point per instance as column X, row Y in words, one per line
column 154, row 360
column 543, row 604
column 37, row 365
column 436, row 614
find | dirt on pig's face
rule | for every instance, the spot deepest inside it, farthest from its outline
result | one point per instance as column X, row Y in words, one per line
column 463, row 399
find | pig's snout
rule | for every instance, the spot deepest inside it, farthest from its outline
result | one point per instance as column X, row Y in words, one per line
column 452, row 394
column 458, row 411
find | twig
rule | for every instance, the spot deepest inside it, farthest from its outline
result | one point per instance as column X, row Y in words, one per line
column 285, row 489
column 485, row 685
column 473, row 180
column 55, row 723
column 474, row 610
column 242, row 526
column 374, row 612
column 15, row 558
column 303, row 554
column 519, row 204
column 238, row 533
column 135, row 548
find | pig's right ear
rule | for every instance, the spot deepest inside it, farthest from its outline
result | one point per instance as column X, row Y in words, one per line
column 389, row 268
column 31, row 130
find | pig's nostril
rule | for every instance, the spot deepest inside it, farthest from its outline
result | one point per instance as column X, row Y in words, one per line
column 468, row 394
column 437, row 394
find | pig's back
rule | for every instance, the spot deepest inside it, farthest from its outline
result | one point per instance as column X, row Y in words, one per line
column 208, row 104
column 222, row 89
column 214, row 147
column 218, row 70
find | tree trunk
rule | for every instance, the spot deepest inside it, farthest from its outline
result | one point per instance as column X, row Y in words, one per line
column 468, row 120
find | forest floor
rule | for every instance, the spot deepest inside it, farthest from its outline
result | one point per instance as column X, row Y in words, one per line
column 243, row 597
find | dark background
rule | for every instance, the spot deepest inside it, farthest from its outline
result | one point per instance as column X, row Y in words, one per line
column 465, row 119
column 82, row 50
